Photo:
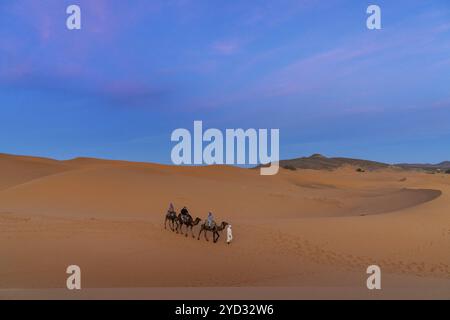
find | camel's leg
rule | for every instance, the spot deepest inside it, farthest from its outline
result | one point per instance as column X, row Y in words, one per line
column 218, row 236
column 187, row 230
column 206, row 237
column 201, row 229
column 192, row 231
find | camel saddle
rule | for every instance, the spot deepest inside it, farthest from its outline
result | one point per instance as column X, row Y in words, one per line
column 172, row 214
column 185, row 217
column 211, row 225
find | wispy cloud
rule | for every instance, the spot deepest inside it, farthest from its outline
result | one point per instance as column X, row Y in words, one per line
column 226, row 47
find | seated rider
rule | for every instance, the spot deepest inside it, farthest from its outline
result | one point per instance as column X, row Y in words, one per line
column 210, row 220
column 184, row 213
column 171, row 210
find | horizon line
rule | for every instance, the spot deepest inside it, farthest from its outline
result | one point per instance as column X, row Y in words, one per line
column 207, row 165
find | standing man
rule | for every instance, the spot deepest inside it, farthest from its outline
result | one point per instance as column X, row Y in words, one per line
column 229, row 234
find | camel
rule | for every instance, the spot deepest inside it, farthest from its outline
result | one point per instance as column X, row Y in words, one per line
column 215, row 229
column 188, row 221
column 171, row 217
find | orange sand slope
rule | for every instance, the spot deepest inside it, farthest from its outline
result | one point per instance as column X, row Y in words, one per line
column 308, row 233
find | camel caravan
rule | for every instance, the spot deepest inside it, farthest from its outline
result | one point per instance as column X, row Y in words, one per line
column 176, row 223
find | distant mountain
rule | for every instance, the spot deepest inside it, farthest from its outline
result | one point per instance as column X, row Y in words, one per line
column 445, row 165
column 320, row 162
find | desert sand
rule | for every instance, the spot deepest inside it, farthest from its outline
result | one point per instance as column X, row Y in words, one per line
column 297, row 235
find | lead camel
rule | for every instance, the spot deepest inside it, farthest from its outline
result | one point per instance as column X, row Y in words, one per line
column 215, row 229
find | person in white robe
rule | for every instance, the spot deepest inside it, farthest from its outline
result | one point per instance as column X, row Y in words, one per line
column 229, row 234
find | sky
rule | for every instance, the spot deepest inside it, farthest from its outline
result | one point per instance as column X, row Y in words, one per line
column 137, row 70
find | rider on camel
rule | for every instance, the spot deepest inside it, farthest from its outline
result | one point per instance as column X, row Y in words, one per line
column 184, row 213
column 210, row 220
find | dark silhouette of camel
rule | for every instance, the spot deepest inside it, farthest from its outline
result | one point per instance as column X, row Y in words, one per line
column 188, row 222
column 214, row 228
column 171, row 217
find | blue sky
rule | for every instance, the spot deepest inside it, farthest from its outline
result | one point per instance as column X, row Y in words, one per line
column 137, row 70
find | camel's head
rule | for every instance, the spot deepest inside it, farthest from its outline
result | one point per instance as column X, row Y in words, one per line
column 224, row 224
column 197, row 220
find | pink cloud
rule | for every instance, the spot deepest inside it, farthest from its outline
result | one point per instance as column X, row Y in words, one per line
column 226, row 47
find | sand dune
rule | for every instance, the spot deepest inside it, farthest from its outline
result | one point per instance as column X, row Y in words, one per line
column 16, row 169
column 304, row 228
